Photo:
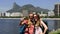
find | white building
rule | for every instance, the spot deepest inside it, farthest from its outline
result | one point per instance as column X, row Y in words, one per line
column 13, row 14
column 50, row 13
column 42, row 14
column 34, row 12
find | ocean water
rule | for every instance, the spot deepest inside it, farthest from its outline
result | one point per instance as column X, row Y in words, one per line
column 10, row 26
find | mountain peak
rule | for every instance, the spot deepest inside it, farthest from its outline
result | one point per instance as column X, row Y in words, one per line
column 28, row 5
column 15, row 6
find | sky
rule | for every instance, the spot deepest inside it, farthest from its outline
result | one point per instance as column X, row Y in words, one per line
column 46, row 4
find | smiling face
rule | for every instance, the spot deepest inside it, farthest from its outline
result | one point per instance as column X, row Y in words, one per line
column 31, row 16
column 35, row 17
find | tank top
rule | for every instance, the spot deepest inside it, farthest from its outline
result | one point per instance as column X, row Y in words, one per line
column 38, row 29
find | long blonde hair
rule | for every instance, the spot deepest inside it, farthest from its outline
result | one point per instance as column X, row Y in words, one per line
column 38, row 19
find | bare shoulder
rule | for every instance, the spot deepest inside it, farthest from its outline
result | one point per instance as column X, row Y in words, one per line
column 43, row 23
column 41, row 20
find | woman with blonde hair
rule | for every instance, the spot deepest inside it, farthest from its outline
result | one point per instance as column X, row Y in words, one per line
column 38, row 23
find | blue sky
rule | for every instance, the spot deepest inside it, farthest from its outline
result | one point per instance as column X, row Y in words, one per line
column 46, row 4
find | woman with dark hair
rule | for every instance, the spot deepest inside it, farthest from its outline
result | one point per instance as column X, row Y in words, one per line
column 38, row 23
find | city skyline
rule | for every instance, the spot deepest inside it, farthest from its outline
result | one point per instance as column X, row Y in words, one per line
column 46, row 4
